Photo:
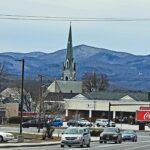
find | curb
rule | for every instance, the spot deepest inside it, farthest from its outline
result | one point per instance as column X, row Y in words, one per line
column 27, row 144
column 31, row 144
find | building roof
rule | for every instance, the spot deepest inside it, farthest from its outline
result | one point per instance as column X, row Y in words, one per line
column 65, row 86
column 14, row 93
column 59, row 96
column 109, row 95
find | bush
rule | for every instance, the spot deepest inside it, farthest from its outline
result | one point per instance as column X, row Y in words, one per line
column 16, row 119
column 96, row 132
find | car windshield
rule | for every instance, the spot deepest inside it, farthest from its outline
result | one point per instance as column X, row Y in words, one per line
column 109, row 130
column 128, row 132
column 73, row 131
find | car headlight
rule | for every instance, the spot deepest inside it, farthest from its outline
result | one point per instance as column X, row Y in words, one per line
column 9, row 135
column 62, row 138
column 79, row 138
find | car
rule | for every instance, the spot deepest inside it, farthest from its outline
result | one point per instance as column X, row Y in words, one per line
column 129, row 135
column 112, row 134
column 72, row 122
column 84, row 122
column 78, row 136
column 104, row 123
column 5, row 136
column 56, row 122
column 148, row 124
column 33, row 123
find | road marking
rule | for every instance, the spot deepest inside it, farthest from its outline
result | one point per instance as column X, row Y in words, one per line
column 138, row 147
column 122, row 145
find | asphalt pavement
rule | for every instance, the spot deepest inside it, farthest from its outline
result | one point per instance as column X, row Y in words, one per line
column 45, row 143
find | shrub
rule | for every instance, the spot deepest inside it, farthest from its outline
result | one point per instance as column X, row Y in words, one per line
column 16, row 119
column 96, row 132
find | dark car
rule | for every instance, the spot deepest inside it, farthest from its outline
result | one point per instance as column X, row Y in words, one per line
column 129, row 135
column 32, row 123
column 111, row 134
column 72, row 122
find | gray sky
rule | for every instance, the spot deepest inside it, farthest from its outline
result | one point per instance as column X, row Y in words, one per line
column 49, row 36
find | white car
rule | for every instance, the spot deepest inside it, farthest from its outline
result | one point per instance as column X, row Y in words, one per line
column 104, row 123
column 4, row 136
column 79, row 136
column 84, row 122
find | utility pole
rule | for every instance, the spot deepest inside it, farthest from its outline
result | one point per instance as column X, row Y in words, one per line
column 41, row 99
column 20, row 139
column 109, row 114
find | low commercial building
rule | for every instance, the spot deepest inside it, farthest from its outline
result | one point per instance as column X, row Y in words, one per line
column 97, row 105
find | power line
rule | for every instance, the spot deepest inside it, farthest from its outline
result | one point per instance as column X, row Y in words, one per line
column 54, row 18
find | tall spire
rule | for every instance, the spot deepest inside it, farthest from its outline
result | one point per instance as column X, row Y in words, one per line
column 69, row 55
column 69, row 69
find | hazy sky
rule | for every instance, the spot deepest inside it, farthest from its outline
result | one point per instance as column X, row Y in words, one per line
column 49, row 36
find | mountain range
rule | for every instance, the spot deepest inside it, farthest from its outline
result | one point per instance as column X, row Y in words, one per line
column 124, row 70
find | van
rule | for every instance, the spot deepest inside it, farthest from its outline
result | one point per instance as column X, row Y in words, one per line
column 79, row 136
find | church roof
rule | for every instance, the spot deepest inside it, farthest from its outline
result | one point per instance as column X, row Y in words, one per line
column 65, row 86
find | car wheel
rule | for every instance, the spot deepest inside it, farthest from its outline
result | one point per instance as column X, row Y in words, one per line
column 133, row 139
column 105, row 141
column 100, row 141
column 120, row 141
column 61, row 145
column 82, row 144
column 69, row 145
column 88, row 145
column 1, row 139
column 117, row 141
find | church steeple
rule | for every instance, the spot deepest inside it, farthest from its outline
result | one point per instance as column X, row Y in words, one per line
column 69, row 55
column 69, row 64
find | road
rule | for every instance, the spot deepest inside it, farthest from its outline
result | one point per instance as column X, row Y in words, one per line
column 143, row 143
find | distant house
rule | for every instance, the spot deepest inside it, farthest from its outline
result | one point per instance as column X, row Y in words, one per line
column 8, row 110
column 13, row 95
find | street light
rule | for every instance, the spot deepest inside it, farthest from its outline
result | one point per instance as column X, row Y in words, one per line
column 21, row 105
column 109, row 114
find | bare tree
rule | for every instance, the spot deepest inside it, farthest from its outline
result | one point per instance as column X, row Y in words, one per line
column 94, row 82
column 3, row 78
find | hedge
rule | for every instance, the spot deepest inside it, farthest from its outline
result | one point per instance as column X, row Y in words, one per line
column 96, row 132
column 16, row 120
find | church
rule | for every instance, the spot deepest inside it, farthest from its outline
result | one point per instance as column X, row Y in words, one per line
column 68, row 82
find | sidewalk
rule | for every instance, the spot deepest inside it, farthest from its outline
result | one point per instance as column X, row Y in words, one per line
column 8, row 145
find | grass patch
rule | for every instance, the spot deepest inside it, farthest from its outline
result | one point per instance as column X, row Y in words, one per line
column 35, row 138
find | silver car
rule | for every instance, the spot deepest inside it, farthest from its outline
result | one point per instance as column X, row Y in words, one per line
column 79, row 136
column 4, row 136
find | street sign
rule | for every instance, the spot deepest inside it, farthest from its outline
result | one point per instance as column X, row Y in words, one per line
column 143, row 115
